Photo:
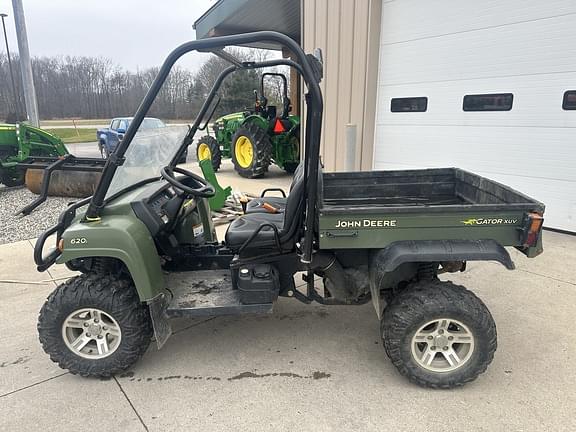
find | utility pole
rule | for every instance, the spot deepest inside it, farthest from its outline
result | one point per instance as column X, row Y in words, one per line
column 25, row 64
column 16, row 98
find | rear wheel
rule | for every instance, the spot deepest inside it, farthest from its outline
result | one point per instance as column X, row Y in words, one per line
column 290, row 167
column 438, row 334
column 251, row 151
column 95, row 325
column 294, row 142
column 208, row 148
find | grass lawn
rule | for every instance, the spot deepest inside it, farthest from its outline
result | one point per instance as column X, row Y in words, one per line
column 66, row 122
column 71, row 135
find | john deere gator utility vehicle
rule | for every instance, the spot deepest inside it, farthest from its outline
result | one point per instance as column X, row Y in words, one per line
column 256, row 138
column 147, row 249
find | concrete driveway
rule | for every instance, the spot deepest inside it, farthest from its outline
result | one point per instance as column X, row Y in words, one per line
column 312, row 368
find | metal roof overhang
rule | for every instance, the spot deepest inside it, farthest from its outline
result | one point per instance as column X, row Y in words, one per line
column 228, row 17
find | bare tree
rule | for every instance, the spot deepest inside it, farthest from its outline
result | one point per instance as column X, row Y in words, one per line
column 95, row 87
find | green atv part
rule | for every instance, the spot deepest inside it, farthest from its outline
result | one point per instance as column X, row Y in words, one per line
column 218, row 200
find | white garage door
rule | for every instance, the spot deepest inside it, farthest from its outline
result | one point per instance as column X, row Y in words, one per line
column 443, row 50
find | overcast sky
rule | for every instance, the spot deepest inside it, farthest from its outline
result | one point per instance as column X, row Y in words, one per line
column 133, row 33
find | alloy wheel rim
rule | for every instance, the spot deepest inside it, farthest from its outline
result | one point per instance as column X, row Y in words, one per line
column 91, row 333
column 442, row 345
column 243, row 151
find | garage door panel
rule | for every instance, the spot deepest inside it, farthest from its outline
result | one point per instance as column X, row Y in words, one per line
column 521, row 49
column 537, row 102
column 544, row 153
column 405, row 20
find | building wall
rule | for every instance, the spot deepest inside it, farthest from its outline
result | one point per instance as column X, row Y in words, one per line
column 348, row 32
column 446, row 49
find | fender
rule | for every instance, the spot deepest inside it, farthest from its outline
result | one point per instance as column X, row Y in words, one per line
column 393, row 256
column 123, row 237
column 400, row 252
column 256, row 119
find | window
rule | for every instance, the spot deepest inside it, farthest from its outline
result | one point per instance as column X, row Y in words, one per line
column 115, row 124
column 412, row 104
column 569, row 101
column 488, row 102
column 151, row 123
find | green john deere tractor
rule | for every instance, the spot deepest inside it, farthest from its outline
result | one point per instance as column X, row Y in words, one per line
column 20, row 141
column 257, row 137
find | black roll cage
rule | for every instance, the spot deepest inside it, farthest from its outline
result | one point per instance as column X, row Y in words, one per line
column 303, row 64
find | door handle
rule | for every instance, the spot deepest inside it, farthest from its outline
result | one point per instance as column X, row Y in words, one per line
column 341, row 233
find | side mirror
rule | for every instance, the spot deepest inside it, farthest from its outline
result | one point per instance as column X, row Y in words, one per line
column 121, row 130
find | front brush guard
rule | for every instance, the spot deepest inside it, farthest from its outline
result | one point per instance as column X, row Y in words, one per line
column 64, row 221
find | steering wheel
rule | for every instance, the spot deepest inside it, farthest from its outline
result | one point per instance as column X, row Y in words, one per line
column 204, row 189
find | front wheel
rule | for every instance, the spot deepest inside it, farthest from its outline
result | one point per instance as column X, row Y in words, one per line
column 12, row 177
column 208, row 148
column 438, row 334
column 251, row 151
column 94, row 325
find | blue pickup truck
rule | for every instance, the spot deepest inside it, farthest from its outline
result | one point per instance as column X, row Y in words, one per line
column 108, row 138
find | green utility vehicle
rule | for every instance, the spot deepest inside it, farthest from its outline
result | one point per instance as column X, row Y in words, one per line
column 20, row 141
column 147, row 249
column 256, row 138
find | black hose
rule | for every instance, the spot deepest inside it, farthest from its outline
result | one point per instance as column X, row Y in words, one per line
column 336, row 279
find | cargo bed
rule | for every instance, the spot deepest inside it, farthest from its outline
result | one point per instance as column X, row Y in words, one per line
column 372, row 209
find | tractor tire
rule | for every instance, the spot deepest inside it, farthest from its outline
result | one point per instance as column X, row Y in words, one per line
column 208, row 148
column 438, row 335
column 94, row 325
column 251, row 151
column 11, row 178
column 290, row 167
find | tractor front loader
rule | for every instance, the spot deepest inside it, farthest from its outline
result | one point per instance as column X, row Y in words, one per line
column 32, row 156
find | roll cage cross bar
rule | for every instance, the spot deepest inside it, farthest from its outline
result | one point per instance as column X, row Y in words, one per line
column 308, row 67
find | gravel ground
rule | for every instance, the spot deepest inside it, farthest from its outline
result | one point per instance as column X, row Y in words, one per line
column 15, row 228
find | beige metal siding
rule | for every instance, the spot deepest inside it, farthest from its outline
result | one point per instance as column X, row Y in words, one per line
column 348, row 32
